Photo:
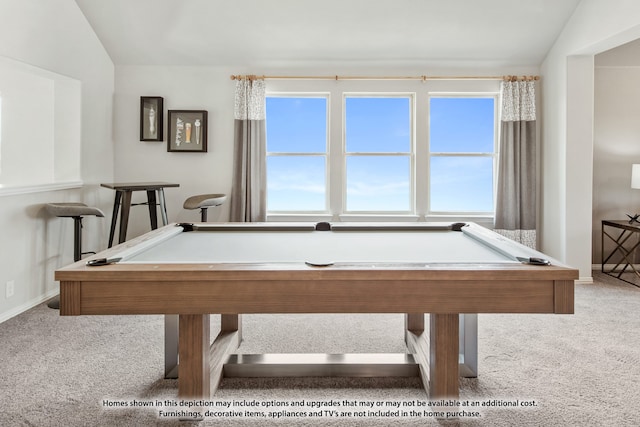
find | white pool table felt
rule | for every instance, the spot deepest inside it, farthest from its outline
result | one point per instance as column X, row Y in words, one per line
column 318, row 247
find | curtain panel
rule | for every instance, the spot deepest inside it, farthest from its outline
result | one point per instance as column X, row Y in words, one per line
column 249, row 192
column 516, row 193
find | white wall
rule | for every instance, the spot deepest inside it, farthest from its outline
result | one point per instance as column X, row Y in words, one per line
column 54, row 35
column 567, row 139
column 616, row 147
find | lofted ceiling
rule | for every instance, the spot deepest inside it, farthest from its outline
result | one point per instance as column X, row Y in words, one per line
column 271, row 32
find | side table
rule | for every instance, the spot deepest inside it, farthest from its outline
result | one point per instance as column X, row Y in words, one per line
column 123, row 197
column 620, row 232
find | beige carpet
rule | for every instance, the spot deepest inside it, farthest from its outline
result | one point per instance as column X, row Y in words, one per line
column 581, row 369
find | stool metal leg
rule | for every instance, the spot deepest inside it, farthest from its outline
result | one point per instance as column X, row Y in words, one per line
column 114, row 217
column 124, row 215
column 54, row 303
column 77, row 254
column 152, row 205
column 77, row 238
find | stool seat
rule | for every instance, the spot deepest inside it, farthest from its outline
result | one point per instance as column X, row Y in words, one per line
column 76, row 211
column 72, row 209
column 203, row 202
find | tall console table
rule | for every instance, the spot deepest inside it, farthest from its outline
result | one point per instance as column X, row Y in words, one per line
column 123, row 198
column 626, row 240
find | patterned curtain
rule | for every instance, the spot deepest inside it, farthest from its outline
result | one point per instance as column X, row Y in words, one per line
column 516, row 198
column 248, row 194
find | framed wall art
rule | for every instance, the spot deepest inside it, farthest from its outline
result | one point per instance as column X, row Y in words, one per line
column 187, row 131
column 151, row 112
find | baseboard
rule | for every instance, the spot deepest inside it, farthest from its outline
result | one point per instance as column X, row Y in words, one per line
column 27, row 305
column 598, row 267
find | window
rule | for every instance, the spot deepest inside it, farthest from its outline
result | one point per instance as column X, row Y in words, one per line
column 462, row 154
column 378, row 148
column 351, row 151
column 296, row 154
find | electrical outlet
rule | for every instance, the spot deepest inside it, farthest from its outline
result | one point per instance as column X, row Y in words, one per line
column 10, row 288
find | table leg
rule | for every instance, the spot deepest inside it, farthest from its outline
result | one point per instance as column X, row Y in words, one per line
column 229, row 323
column 163, row 206
column 171, row 346
column 467, row 341
column 414, row 322
column 194, row 380
column 114, row 217
column 443, row 360
column 124, row 214
column 151, row 203
column 225, row 344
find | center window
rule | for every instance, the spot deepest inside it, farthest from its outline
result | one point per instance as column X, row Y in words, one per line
column 378, row 144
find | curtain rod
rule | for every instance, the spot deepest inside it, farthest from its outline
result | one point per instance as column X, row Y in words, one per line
column 421, row 78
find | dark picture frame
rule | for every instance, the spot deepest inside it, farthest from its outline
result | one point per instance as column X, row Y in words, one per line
column 187, row 131
column 151, row 114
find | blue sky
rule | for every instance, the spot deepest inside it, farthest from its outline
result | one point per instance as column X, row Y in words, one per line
column 380, row 125
column 461, row 125
column 296, row 125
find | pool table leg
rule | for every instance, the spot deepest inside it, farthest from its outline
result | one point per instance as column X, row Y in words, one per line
column 225, row 344
column 194, row 338
column 438, row 354
column 229, row 323
column 443, row 352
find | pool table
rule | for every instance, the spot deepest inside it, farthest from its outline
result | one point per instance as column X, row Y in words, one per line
column 194, row 270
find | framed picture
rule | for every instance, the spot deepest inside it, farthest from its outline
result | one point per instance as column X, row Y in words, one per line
column 187, row 131
column 151, row 112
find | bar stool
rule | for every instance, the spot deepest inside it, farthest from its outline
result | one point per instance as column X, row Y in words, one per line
column 204, row 202
column 76, row 211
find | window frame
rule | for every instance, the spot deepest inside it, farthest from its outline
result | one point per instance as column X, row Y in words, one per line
column 420, row 127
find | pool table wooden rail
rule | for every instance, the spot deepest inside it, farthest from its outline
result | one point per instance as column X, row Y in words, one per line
column 282, row 294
